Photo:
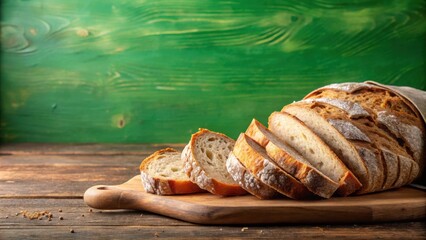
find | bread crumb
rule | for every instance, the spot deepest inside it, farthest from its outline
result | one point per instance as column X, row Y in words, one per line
column 261, row 231
column 60, row 210
column 72, row 230
column 82, row 215
column 156, row 234
column 220, row 229
column 61, row 218
column 244, row 229
column 90, row 210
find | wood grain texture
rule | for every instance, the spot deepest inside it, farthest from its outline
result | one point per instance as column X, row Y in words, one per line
column 62, row 176
column 155, row 71
column 399, row 205
column 387, row 231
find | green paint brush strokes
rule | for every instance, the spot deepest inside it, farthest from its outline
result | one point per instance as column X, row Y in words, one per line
column 156, row 71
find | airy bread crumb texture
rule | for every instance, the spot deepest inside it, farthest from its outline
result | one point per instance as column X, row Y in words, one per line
column 212, row 152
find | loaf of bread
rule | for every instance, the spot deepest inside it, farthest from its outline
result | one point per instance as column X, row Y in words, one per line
column 339, row 140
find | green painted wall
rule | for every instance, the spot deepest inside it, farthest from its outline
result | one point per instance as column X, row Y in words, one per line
column 156, row 70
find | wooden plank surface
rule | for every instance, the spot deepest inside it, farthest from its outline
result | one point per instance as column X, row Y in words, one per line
column 155, row 71
column 133, row 224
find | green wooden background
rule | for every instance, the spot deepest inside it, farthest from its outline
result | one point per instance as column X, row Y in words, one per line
column 157, row 70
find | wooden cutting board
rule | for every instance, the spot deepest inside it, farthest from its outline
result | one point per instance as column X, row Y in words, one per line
column 402, row 204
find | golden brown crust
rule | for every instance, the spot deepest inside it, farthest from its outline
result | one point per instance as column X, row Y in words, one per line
column 315, row 181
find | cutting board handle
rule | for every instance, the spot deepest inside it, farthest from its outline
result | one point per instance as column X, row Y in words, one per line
column 108, row 197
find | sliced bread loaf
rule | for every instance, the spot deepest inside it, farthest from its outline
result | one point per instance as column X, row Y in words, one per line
column 255, row 159
column 162, row 173
column 296, row 134
column 362, row 132
column 291, row 161
column 247, row 180
column 205, row 162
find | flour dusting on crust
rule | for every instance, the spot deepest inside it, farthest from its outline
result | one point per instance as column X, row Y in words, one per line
column 411, row 134
column 349, row 130
column 374, row 167
column 247, row 180
column 348, row 87
column 353, row 109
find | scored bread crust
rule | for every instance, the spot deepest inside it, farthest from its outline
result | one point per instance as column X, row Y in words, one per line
column 348, row 182
column 247, row 180
column 254, row 158
column 388, row 108
column 370, row 141
column 291, row 161
column 164, row 186
column 199, row 176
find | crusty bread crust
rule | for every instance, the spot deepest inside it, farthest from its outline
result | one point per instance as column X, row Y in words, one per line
column 247, row 180
column 199, row 176
column 259, row 164
column 164, row 186
column 314, row 180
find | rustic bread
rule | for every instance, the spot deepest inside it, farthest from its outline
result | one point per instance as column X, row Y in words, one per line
column 162, row 173
column 205, row 162
column 389, row 111
column 247, row 180
column 291, row 161
column 255, row 159
column 364, row 134
column 296, row 134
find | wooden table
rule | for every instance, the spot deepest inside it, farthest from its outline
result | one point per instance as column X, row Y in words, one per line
column 53, row 178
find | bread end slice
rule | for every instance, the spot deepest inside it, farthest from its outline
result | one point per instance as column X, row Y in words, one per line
column 162, row 173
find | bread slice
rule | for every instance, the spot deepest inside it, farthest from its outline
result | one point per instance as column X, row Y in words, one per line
column 296, row 134
column 205, row 162
column 255, row 159
column 247, row 180
column 337, row 141
column 291, row 161
column 391, row 163
column 162, row 173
